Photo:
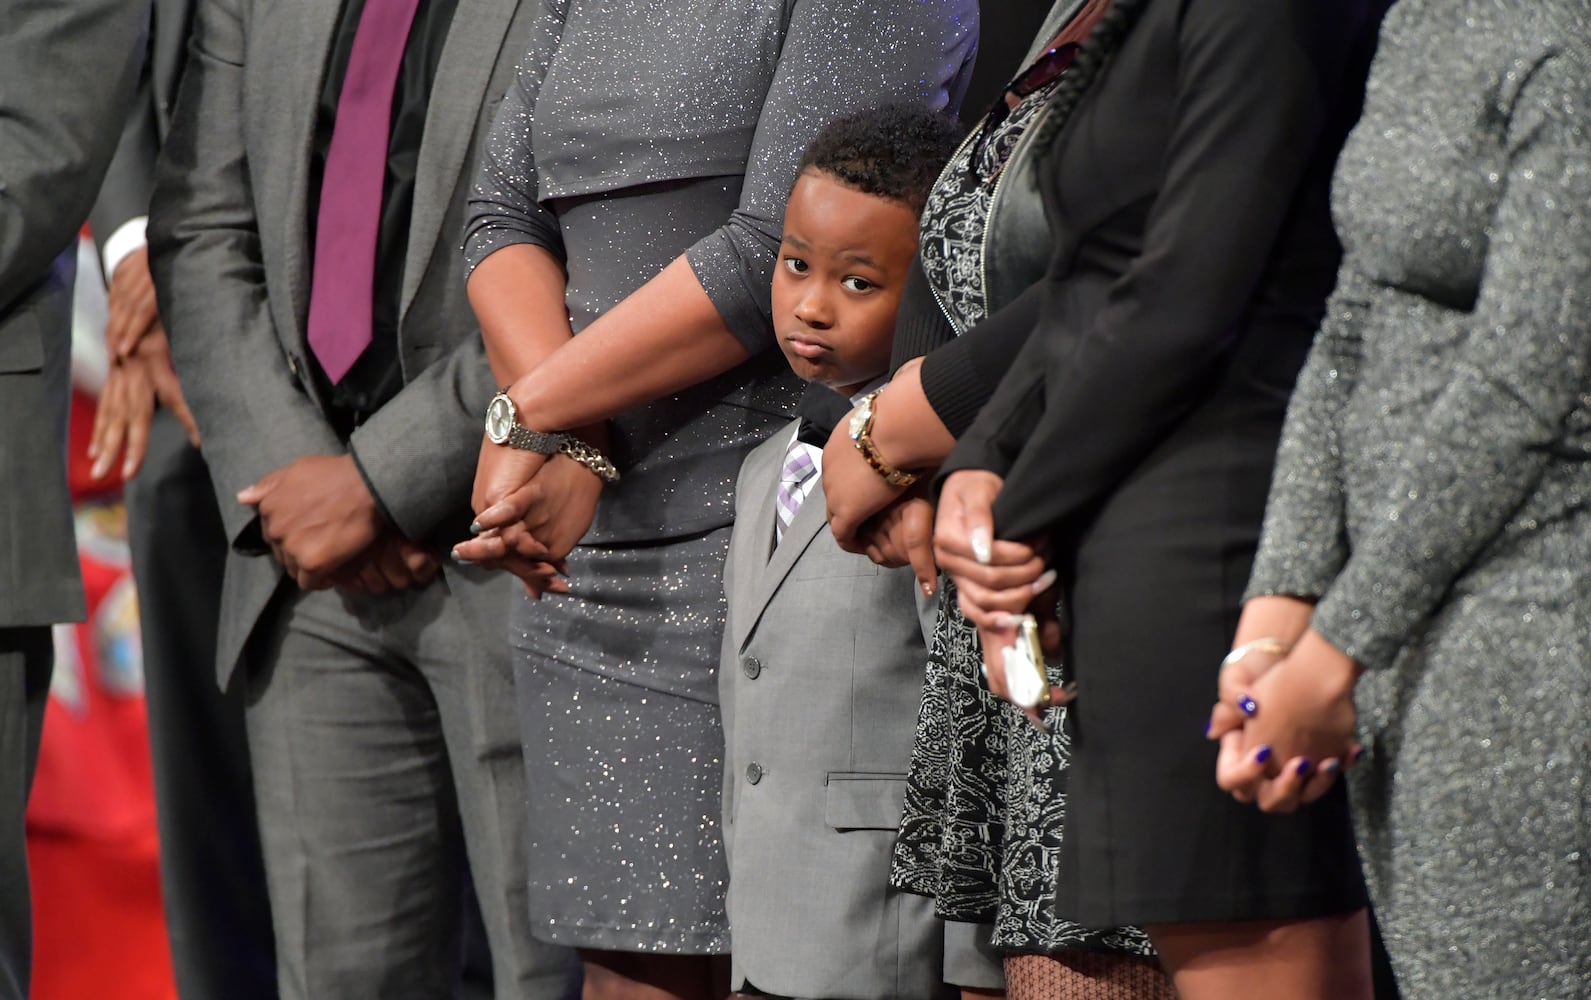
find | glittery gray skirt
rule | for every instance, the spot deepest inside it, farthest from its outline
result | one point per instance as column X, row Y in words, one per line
column 624, row 750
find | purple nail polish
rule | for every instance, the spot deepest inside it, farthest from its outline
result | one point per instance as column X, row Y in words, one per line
column 1263, row 755
column 1247, row 705
column 1358, row 755
column 1207, row 727
column 1305, row 766
column 1332, row 766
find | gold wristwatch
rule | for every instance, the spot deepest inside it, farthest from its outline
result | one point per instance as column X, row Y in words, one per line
column 861, row 431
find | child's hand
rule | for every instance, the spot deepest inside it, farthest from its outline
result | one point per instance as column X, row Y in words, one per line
column 904, row 535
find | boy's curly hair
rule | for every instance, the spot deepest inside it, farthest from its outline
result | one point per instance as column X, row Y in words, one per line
column 895, row 151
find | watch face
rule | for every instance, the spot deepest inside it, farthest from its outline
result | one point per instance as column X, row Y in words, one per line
column 859, row 419
column 499, row 419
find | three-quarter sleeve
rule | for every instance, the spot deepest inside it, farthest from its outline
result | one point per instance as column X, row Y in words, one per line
column 504, row 205
column 1517, row 379
column 838, row 56
column 1305, row 540
column 1080, row 407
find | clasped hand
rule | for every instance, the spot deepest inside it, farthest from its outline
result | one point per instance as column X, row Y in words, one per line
column 531, row 510
column 996, row 581
column 1285, row 724
column 323, row 526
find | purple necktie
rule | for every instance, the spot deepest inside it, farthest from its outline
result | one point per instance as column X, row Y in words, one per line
column 798, row 468
column 344, row 282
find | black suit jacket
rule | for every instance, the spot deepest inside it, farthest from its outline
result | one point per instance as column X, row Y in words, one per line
column 130, row 181
column 1192, row 247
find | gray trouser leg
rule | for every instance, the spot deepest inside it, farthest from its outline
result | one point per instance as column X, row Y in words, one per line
column 212, row 880
column 383, row 743
column 26, row 657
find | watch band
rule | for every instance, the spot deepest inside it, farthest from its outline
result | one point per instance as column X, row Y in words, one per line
column 864, row 444
column 589, row 457
column 525, row 439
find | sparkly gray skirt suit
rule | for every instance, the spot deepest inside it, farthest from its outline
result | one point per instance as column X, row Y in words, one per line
column 638, row 131
column 1433, row 492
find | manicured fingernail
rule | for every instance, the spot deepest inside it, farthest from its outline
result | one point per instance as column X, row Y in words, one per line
column 1209, row 725
column 1331, row 766
column 928, row 589
column 1044, row 582
column 1358, row 755
column 1262, row 755
column 1305, row 766
column 461, row 560
column 1247, row 705
column 982, row 546
column 475, row 527
column 1005, row 619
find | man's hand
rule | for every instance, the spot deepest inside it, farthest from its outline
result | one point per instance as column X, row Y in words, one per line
column 317, row 514
column 131, row 300
column 134, row 385
column 392, row 563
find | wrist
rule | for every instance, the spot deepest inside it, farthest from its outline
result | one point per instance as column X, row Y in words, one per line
column 1331, row 667
column 906, row 431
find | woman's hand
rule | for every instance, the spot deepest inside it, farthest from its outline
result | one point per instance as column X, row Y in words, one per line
column 852, row 490
column 994, row 640
column 501, row 474
column 555, row 509
column 994, row 580
column 1269, row 618
column 1298, row 731
column 904, row 535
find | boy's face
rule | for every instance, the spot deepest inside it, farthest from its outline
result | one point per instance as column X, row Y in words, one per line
column 838, row 282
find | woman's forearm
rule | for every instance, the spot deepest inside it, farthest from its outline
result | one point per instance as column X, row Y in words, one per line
column 665, row 337
column 518, row 297
column 906, row 430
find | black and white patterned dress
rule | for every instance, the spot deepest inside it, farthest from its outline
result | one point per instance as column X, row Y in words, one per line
column 986, row 791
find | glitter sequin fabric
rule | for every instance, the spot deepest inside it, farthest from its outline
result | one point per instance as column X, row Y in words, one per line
column 1434, row 491
column 638, row 130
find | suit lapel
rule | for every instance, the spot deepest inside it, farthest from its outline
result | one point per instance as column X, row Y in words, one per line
column 811, row 519
column 469, row 58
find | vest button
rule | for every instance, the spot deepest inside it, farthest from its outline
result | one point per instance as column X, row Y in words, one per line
column 753, row 772
column 751, row 667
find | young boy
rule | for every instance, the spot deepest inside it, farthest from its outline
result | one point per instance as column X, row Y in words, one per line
column 824, row 651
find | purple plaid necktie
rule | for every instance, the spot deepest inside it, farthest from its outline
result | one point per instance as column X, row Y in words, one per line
column 798, row 469
column 349, row 218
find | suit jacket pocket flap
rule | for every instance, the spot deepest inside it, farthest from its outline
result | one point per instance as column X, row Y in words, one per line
column 865, row 800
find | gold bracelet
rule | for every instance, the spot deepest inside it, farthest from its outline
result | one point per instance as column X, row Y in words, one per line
column 861, row 434
column 1266, row 644
column 589, row 457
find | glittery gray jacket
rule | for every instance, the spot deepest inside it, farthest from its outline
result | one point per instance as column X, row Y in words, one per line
column 586, row 116
column 1439, row 441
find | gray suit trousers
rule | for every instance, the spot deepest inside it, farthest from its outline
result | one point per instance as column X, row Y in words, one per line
column 211, row 878
column 26, row 657
column 385, row 746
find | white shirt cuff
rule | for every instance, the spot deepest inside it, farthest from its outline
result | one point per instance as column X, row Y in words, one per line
column 129, row 236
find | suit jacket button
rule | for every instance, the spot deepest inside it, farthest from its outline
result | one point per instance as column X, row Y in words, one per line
column 753, row 772
column 751, row 667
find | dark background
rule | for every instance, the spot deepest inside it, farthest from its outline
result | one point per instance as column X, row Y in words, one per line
column 1007, row 33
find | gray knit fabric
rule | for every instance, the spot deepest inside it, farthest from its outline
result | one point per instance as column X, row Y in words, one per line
column 1433, row 490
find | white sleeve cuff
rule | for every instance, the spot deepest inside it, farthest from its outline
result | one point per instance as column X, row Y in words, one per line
column 129, row 236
